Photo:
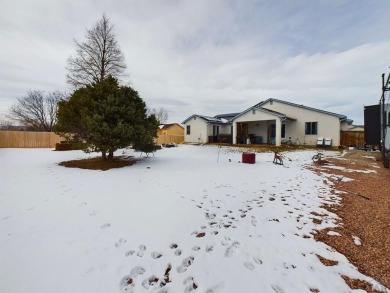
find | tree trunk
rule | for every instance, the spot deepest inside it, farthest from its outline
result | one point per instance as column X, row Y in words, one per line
column 104, row 156
column 110, row 155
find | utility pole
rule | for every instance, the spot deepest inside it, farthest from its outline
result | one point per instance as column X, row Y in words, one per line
column 385, row 88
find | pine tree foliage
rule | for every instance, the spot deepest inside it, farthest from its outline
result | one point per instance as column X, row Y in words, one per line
column 106, row 117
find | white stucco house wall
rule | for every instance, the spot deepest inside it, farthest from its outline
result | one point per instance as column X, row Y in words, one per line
column 271, row 121
column 199, row 128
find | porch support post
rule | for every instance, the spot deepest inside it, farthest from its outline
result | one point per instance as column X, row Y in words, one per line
column 234, row 133
column 278, row 132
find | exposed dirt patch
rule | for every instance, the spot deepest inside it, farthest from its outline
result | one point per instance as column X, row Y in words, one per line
column 97, row 163
column 364, row 211
column 359, row 284
column 327, row 262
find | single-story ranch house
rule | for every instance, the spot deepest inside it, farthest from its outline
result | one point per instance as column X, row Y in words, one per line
column 271, row 122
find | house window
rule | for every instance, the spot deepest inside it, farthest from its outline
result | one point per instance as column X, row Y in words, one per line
column 188, row 129
column 311, row 127
column 283, row 130
column 388, row 119
column 253, row 111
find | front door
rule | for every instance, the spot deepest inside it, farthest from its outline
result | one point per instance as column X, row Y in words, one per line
column 215, row 130
column 242, row 129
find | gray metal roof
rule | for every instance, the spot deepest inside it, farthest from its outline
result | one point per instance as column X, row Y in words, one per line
column 207, row 119
column 230, row 117
column 257, row 107
column 342, row 117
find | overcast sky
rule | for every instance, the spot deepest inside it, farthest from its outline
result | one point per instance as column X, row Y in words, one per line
column 208, row 57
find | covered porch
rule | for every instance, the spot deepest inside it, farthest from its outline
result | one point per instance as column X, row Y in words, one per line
column 271, row 132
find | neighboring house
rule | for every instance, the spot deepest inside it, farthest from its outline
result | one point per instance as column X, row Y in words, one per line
column 202, row 129
column 353, row 136
column 351, row 127
column 170, row 133
column 170, row 129
column 272, row 122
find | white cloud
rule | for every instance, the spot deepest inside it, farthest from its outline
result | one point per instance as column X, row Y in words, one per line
column 208, row 57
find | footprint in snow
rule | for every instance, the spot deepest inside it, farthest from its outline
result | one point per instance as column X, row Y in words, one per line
column 173, row 246
column 156, row 255
column 93, row 213
column 105, row 226
column 277, row 289
column 185, row 264
column 178, row 252
column 196, row 248
column 141, row 251
column 120, row 242
column 249, row 266
column 209, row 248
column 191, row 285
column 224, row 243
column 82, row 204
column 215, row 289
column 232, row 248
column 150, row 282
column 210, row 216
column 127, row 281
column 130, row 253
column 257, row 260
column 254, row 221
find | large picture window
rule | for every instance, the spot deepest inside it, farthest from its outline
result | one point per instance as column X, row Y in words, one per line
column 188, row 129
column 311, row 127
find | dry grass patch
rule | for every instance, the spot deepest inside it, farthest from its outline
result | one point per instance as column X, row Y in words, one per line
column 97, row 163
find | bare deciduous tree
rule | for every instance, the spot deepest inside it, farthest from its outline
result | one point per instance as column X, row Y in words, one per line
column 96, row 58
column 36, row 111
column 6, row 124
column 161, row 114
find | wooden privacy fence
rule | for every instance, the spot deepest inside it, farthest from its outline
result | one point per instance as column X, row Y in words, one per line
column 28, row 139
column 164, row 139
column 352, row 138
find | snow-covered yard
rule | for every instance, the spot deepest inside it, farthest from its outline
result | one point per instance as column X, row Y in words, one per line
column 177, row 222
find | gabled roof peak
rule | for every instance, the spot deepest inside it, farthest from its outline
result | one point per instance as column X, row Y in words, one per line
column 301, row 106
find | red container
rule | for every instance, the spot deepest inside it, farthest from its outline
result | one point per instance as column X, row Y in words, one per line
column 248, row 158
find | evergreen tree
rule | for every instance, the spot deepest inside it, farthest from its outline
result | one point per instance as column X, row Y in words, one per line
column 105, row 117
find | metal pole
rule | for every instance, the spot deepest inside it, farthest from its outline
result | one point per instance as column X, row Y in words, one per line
column 382, row 105
column 385, row 87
